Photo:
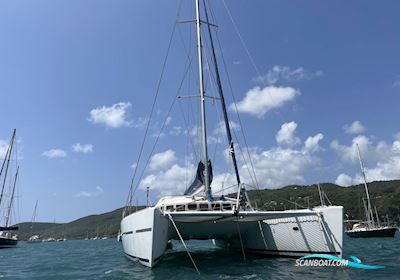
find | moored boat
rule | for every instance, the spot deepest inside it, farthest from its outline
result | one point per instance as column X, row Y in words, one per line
column 231, row 222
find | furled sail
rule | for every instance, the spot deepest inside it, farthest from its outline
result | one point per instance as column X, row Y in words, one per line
column 199, row 178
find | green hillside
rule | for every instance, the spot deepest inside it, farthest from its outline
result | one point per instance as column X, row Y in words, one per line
column 107, row 224
column 385, row 195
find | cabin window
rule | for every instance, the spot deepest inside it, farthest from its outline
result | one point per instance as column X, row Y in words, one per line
column 203, row 206
column 180, row 207
column 170, row 208
column 192, row 206
column 216, row 206
column 227, row 206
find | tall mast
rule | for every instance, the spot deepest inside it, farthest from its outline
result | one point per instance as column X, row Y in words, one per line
column 7, row 163
column 11, row 198
column 221, row 96
column 202, row 100
column 369, row 208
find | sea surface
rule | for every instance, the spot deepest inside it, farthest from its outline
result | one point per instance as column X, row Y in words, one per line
column 104, row 259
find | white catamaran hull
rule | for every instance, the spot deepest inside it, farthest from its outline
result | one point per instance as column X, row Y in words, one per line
column 145, row 234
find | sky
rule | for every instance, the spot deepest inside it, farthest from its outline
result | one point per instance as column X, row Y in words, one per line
column 311, row 80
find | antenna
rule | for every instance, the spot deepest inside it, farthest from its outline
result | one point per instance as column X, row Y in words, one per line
column 147, row 196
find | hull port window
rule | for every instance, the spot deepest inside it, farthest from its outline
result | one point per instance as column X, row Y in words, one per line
column 203, row 207
column 216, row 206
column 192, row 206
column 227, row 206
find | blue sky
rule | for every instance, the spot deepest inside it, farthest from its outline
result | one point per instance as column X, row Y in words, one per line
column 85, row 72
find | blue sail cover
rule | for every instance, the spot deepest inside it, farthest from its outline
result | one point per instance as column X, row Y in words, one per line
column 199, row 178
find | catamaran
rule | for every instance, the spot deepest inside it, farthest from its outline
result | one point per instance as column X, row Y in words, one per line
column 7, row 238
column 371, row 227
column 231, row 222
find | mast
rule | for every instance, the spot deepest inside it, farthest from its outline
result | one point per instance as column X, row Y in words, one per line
column 377, row 217
column 34, row 215
column 7, row 163
column 11, row 198
column 321, row 198
column 369, row 208
column 241, row 194
column 202, row 101
column 221, row 96
column 34, row 212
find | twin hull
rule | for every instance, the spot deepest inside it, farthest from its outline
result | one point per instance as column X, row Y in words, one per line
column 145, row 234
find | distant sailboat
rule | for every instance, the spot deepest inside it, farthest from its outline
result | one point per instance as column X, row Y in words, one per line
column 97, row 234
column 371, row 227
column 34, row 238
column 7, row 238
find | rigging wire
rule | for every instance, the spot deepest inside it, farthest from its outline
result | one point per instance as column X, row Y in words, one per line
column 130, row 195
column 237, row 113
column 162, row 128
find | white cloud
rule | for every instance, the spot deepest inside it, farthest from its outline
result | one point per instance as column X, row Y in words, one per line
column 133, row 165
column 168, row 120
column 55, row 153
column 86, row 148
column 344, row 180
column 114, row 116
column 258, row 102
column 287, row 74
column 171, row 181
column 312, row 143
column 369, row 151
column 286, row 134
column 3, row 148
column 382, row 160
column 220, row 127
column 354, row 128
column 176, row 130
column 274, row 168
column 98, row 191
column 162, row 160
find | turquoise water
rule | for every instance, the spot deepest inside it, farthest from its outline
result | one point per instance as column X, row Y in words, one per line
column 104, row 259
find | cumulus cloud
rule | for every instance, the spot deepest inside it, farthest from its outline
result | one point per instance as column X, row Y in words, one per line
column 286, row 134
column 355, row 127
column 287, row 74
column 162, row 160
column 98, row 191
column 174, row 180
column 113, row 117
column 55, row 153
column 79, row 148
column 344, row 180
column 274, row 168
column 258, row 101
column 370, row 151
column 382, row 160
column 312, row 143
